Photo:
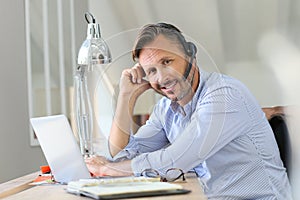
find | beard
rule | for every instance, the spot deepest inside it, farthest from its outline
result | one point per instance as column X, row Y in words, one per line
column 182, row 90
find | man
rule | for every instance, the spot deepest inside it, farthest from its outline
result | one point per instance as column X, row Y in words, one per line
column 207, row 122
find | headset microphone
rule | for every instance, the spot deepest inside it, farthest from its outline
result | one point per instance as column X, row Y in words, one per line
column 191, row 51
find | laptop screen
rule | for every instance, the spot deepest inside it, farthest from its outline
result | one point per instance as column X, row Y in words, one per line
column 60, row 148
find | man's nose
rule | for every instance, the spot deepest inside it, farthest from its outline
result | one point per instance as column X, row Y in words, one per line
column 158, row 77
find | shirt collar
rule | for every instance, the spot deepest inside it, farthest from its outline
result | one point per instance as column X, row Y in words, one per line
column 176, row 108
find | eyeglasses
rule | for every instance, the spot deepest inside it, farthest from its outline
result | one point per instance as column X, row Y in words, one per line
column 171, row 175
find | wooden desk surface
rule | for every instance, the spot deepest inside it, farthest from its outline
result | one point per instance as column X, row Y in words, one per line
column 19, row 189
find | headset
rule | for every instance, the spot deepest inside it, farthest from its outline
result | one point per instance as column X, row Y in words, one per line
column 191, row 51
column 189, row 47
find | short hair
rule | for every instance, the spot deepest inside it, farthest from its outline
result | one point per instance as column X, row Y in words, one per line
column 149, row 32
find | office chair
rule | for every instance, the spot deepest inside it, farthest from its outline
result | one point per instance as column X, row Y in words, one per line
column 281, row 133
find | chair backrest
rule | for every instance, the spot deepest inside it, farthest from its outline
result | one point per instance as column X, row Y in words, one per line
column 277, row 119
column 281, row 133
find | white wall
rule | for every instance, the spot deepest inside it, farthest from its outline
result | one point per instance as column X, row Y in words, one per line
column 17, row 157
column 16, row 154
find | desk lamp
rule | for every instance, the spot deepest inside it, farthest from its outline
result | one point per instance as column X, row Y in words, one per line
column 93, row 52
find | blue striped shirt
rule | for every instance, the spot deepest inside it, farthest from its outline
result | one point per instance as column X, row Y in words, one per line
column 222, row 134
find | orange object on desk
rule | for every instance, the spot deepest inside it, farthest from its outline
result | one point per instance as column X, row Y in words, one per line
column 45, row 169
column 44, row 177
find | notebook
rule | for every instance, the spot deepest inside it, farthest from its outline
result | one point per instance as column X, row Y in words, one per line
column 60, row 148
column 124, row 187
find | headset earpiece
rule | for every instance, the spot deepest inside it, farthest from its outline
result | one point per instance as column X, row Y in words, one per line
column 191, row 49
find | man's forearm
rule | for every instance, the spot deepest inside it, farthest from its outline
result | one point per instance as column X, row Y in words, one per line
column 121, row 126
column 122, row 123
column 118, row 169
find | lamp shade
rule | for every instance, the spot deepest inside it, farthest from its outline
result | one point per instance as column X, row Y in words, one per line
column 94, row 49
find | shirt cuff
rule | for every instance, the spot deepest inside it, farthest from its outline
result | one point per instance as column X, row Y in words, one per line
column 129, row 152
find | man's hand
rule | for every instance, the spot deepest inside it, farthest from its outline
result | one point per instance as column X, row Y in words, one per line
column 132, row 82
column 96, row 165
column 100, row 166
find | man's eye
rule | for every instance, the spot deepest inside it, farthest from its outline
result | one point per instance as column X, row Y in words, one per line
column 151, row 71
column 167, row 62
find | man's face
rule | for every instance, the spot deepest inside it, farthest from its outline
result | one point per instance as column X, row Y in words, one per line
column 164, row 64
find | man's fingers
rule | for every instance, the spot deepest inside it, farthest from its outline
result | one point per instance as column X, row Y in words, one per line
column 134, row 76
column 137, row 73
column 141, row 73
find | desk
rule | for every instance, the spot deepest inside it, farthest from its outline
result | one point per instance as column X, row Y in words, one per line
column 19, row 189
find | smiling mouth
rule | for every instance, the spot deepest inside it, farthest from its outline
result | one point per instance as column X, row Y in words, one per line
column 169, row 86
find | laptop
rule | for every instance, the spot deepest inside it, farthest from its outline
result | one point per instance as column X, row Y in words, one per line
column 60, row 148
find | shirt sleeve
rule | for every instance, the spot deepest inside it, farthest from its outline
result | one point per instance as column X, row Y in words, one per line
column 150, row 137
column 220, row 116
